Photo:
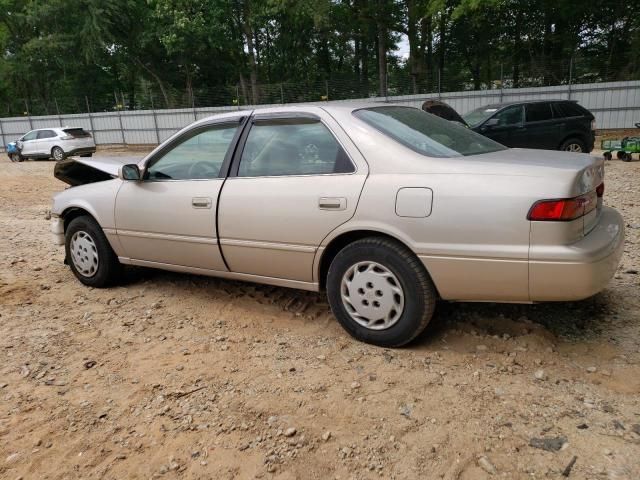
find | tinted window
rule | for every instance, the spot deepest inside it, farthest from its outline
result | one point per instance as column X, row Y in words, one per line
column 292, row 147
column 198, row 157
column 29, row 136
column 425, row 133
column 77, row 132
column 537, row 112
column 567, row 109
column 479, row 115
column 509, row 116
column 46, row 134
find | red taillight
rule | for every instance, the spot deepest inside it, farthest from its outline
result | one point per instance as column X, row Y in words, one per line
column 600, row 190
column 565, row 209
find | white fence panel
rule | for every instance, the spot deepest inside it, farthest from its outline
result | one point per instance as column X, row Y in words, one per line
column 614, row 104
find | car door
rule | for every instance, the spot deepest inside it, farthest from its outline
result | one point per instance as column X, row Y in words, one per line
column 295, row 178
column 505, row 126
column 28, row 143
column 169, row 217
column 542, row 130
column 44, row 141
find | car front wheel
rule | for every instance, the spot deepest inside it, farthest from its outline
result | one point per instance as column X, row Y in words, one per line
column 89, row 254
column 380, row 292
column 57, row 153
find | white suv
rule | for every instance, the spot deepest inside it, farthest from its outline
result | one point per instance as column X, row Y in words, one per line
column 58, row 143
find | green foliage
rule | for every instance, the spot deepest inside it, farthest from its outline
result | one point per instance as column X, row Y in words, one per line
column 165, row 53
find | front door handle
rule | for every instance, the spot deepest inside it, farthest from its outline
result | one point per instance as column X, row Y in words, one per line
column 332, row 203
column 201, row 202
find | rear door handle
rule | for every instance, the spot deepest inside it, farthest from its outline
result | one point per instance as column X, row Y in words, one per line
column 201, row 202
column 332, row 203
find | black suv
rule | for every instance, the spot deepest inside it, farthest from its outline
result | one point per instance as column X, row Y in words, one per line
column 548, row 124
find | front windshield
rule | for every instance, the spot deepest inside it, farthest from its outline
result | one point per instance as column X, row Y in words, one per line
column 426, row 133
column 479, row 115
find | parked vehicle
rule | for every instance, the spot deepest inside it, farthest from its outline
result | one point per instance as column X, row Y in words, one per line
column 386, row 207
column 548, row 124
column 56, row 143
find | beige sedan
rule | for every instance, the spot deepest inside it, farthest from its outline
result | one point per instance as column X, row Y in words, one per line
column 385, row 207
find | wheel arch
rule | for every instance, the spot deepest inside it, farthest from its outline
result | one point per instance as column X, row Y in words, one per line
column 577, row 135
column 72, row 212
column 343, row 239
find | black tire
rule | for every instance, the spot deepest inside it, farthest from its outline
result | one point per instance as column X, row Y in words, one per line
column 419, row 292
column 627, row 157
column 621, row 154
column 108, row 267
column 58, row 154
column 573, row 144
column 607, row 155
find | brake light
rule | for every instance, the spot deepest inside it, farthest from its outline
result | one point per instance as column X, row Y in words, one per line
column 564, row 210
column 600, row 190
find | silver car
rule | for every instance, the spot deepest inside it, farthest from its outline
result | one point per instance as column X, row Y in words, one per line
column 385, row 207
column 56, row 143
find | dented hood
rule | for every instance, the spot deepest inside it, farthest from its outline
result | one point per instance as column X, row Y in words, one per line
column 82, row 170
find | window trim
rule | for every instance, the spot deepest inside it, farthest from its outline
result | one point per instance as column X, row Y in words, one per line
column 52, row 132
column 283, row 116
column 238, row 122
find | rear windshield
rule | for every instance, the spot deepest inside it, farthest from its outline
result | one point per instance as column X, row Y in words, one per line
column 77, row 132
column 425, row 133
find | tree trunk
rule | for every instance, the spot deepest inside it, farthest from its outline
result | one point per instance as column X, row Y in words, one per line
column 382, row 50
column 412, row 35
column 253, row 67
column 158, row 81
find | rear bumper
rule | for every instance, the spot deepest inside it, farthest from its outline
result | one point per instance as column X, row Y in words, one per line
column 81, row 150
column 579, row 270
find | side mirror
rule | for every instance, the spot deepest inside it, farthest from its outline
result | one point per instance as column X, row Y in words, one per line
column 129, row 172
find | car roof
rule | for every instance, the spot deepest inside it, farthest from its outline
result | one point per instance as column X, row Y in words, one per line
column 348, row 106
column 524, row 102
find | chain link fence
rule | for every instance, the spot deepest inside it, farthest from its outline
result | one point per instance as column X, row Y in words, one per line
column 451, row 78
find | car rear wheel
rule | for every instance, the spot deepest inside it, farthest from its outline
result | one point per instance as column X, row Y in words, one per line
column 380, row 292
column 574, row 145
column 57, row 153
column 89, row 254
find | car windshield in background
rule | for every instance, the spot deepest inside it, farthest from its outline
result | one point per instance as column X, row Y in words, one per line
column 425, row 133
column 479, row 115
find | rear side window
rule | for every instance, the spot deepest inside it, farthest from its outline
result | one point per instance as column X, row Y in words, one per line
column 567, row 109
column 298, row 146
column 425, row 133
column 46, row 134
column 537, row 112
column 77, row 132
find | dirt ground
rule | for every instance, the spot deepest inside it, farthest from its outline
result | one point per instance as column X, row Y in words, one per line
column 179, row 376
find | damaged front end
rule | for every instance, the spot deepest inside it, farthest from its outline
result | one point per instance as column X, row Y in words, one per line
column 81, row 171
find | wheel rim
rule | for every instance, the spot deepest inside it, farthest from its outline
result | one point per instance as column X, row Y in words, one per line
column 58, row 154
column 84, row 254
column 372, row 295
column 574, row 147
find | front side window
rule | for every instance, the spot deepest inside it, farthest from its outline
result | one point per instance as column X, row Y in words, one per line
column 198, row 157
column 509, row 116
column 537, row 112
column 298, row 146
column 427, row 134
column 29, row 136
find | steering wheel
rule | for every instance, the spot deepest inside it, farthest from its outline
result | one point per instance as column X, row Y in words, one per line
column 202, row 169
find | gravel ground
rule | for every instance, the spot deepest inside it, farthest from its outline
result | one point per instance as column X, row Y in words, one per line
column 179, row 376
